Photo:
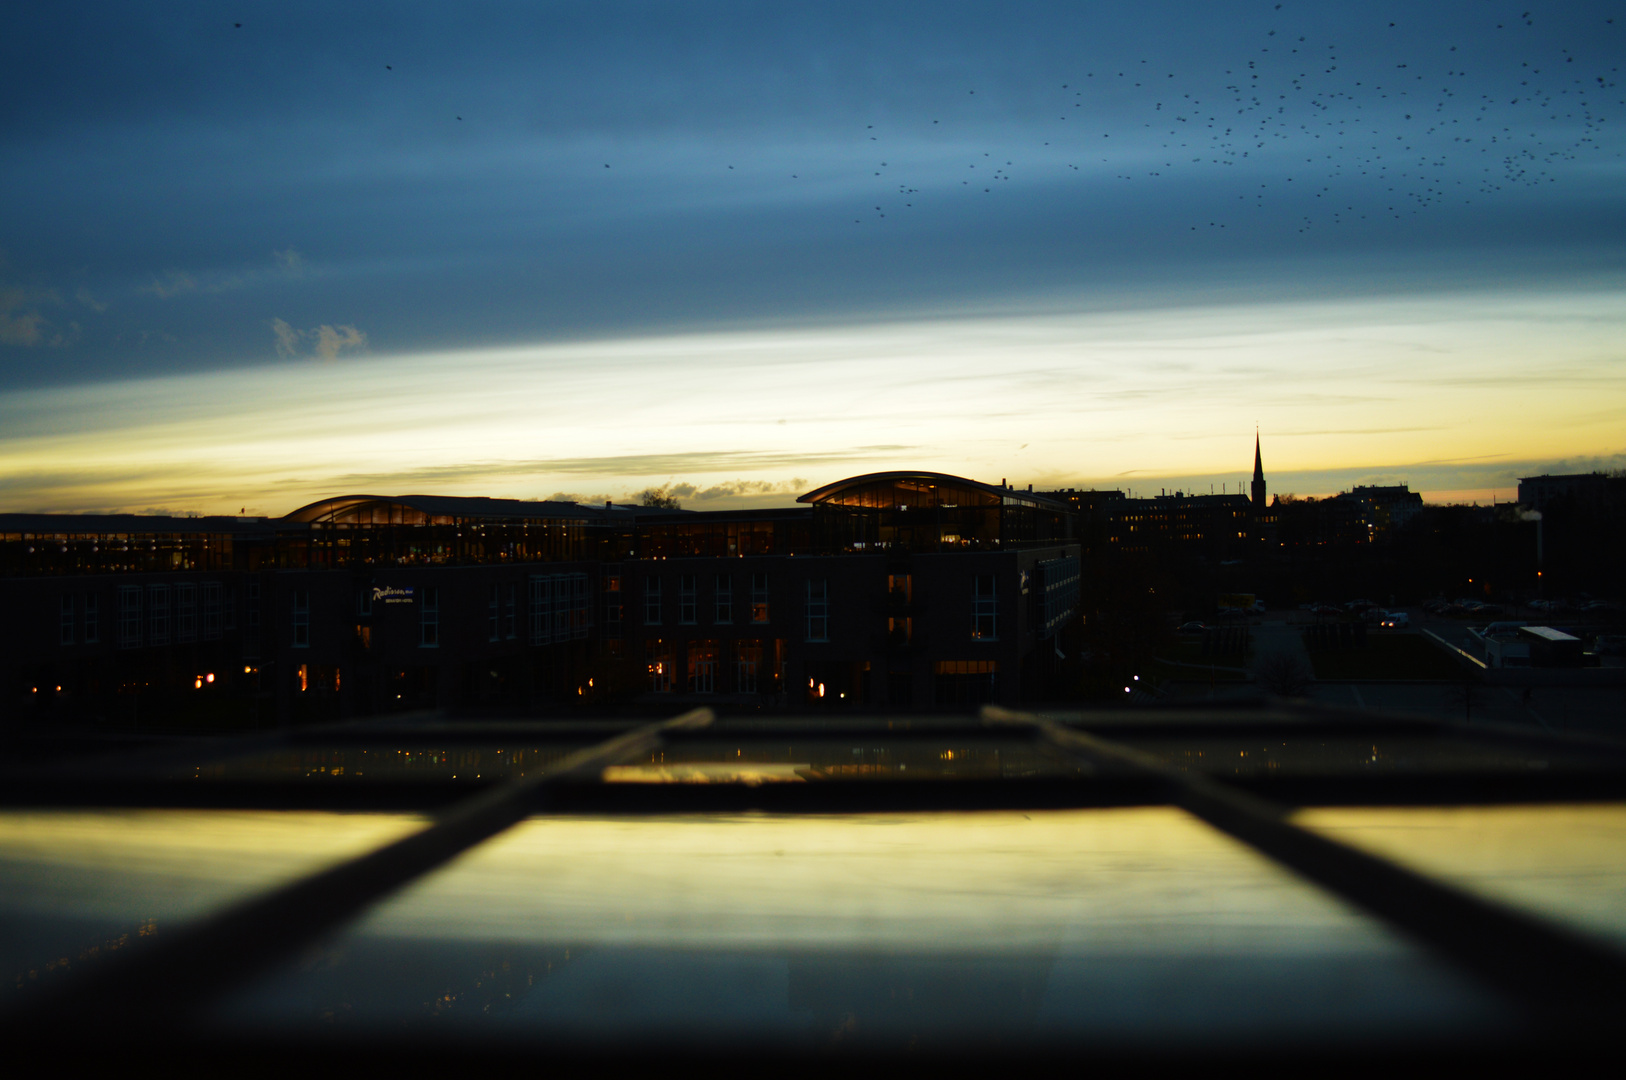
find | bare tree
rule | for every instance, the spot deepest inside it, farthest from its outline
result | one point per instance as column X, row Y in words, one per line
column 1284, row 674
column 659, row 498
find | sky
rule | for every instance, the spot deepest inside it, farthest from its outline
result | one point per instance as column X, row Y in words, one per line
column 256, row 254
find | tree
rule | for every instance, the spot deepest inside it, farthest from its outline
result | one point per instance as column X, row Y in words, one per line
column 659, row 498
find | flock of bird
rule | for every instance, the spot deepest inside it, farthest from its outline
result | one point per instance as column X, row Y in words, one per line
column 1394, row 130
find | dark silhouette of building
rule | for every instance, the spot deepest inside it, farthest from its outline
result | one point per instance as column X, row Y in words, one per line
column 1258, row 486
column 902, row 590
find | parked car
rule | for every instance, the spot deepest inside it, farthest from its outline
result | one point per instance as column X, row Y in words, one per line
column 1395, row 620
column 1192, row 627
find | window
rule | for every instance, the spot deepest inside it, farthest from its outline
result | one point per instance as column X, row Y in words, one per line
column 231, row 609
column 251, row 600
column 541, row 609
column 301, row 621
column 67, row 628
column 984, row 624
column 364, row 600
column 652, row 601
column 723, row 601
column 900, row 629
column 129, row 616
column 186, row 612
column 92, row 623
column 511, row 614
column 747, row 661
column 576, row 607
column 494, row 614
column 818, row 610
column 429, row 620
column 211, row 610
column 158, row 615
column 658, row 660
column 686, row 603
column 759, row 598
column 612, row 605
column 900, row 588
column 702, row 667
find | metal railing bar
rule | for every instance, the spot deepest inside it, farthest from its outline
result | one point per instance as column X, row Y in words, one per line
column 156, row 986
column 1561, row 980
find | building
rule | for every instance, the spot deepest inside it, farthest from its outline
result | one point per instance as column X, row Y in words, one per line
column 897, row 590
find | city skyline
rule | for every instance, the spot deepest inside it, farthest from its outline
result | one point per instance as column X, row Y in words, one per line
column 254, row 259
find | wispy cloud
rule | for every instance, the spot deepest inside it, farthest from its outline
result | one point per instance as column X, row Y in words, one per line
column 20, row 322
column 84, row 297
column 290, row 261
column 174, row 283
column 287, row 338
column 329, row 340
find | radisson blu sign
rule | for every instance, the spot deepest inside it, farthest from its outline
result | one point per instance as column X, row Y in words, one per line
column 392, row 594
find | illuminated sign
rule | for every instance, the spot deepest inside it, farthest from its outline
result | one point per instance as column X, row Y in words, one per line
column 392, row 594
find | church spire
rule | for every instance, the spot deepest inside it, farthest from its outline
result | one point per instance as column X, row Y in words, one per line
column 1258, row 476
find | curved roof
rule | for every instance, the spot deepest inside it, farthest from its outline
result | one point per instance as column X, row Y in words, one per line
column 1006, row 496
column 453, row 506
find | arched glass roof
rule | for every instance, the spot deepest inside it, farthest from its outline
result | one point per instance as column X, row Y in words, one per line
column 886, row 490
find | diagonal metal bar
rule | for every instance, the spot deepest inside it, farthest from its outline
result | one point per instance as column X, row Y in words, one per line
column 157, row 985
column 1561, row 980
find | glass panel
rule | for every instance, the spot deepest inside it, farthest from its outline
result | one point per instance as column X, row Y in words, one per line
column 886, row 930
column 1567, row 863
column 77, row 885
column 1265, row 755
column 755, row 762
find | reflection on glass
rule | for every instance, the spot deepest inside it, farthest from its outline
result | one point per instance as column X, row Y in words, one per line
column 879, row 929
column 76, row 885
column 1309, row 754
column 952, row 758
column 1565, row 862
column 341, row 764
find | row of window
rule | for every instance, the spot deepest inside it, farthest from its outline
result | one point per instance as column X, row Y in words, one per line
column 559, row 610
column 751, row 664
column 155, row 614
column 722, row 599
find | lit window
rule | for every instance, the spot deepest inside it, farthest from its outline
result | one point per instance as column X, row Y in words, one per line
column 759, row 598
column 658, row 659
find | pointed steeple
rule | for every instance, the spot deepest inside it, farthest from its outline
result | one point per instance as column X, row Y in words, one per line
column 1258, row 476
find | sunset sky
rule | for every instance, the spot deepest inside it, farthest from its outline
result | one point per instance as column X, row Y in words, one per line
column 576, row 250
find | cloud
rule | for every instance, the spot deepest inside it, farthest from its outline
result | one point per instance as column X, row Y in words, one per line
column 330, row 340
column 287, row 338
column 22, row 323
column 84, row 297
column 740, row 488
column 584, row 500
column 173, row 283
column 291, row 261
column 23, row 329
